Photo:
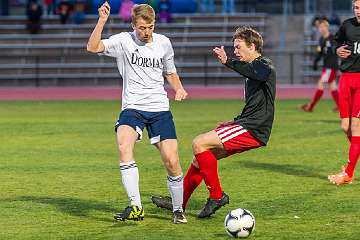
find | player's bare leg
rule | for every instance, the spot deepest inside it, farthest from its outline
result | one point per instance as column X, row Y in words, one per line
column 126, row 137
column 345, row 126
column 169, row 154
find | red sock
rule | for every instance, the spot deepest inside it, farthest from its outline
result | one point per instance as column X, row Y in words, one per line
column 192, row 180
column 208, row 169
column 316, row 98
column 335, row 96
column 354, row 152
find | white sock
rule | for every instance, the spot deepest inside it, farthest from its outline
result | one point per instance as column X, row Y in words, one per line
column 176, row 189
column 130, row 179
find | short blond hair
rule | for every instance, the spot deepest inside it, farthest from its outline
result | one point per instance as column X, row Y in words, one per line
column 143, row 11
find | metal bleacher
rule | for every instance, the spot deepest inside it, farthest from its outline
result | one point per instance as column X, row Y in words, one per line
column 308, row 74
column 57, row 56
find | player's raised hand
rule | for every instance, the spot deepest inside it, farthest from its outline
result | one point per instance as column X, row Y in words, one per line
column 221, row 54
column 104, row 11
column 180, row 94
column 343, row 52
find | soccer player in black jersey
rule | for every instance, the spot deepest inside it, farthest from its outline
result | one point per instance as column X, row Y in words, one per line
column 326, row 50
column 251, row 129
column 348, row 41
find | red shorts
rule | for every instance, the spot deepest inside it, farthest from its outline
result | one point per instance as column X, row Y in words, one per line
column 349, row 95
column 236, row 139
column 328, row 75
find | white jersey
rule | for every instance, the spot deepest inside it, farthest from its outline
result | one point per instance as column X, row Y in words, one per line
column 141, row 65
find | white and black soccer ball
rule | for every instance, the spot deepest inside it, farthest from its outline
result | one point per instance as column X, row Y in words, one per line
column 239, row 223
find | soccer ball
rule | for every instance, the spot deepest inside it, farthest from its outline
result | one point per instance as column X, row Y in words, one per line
column 239, row 223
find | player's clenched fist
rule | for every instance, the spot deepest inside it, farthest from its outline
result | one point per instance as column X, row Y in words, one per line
column 180, row 94
column 104, row 11
column 343, row 52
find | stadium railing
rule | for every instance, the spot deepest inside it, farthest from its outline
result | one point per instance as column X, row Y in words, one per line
column 59, row 51
column 67, row 69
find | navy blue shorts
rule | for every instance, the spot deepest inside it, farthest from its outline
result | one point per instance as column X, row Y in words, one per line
column 159, row 125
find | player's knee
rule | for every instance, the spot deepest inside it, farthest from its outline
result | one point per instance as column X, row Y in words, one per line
column 333, row 86
column 198, row 144
column 355, row 126
column 345, row 127
column 321, row 86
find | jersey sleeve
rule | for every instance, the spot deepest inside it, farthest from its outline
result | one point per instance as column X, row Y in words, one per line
column 113, row 46
column 169, row 64
column 256, row 70
column 340, row 36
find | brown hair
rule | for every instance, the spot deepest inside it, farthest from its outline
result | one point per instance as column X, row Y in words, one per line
column 249, row 36
column 143, row 11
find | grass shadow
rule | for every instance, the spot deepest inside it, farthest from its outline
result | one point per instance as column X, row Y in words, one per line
column 287, row 169
column 73, row 206
column 327, row 121
column 81, row 208
column 221, row 235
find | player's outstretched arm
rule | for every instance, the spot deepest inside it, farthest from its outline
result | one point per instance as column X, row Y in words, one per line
column 94, row 44
column 175, row 83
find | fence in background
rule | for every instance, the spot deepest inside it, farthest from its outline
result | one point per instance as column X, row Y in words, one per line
column 68, row 70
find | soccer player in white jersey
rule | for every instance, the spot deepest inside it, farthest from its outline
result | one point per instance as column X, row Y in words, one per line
column 143, row 57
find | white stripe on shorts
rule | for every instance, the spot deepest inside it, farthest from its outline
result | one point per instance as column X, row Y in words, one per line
column 224, row 129
column 326, row 76
column 233, row 135
column 235, row 129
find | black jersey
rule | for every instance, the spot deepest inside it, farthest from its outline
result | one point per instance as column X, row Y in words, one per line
column 258, row 114
column 327, row 51
column 349, row 34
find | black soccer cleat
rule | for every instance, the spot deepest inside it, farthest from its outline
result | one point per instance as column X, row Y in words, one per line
column 162, row 202
column 134, row 213
column 212, row 205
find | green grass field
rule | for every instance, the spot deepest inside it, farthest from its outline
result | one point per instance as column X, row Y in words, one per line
column 59, row 175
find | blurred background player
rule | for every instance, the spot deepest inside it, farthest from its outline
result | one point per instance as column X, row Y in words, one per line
column 348, row 41
column 64, row 10
column 34, row 13
column 125, row 10
column 143, row 57
column 325, row 50
column 251, row 129
column 164, row 14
